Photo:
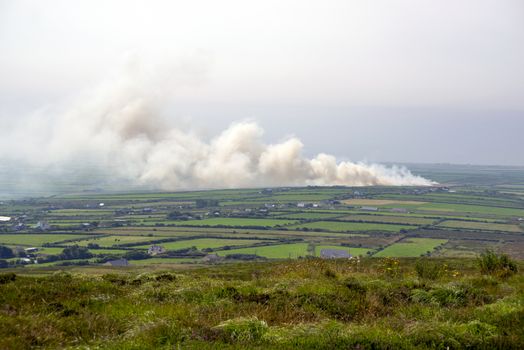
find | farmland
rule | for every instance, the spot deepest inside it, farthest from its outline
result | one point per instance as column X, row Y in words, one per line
column 243, row 268
column 273, row 223
column 411, row 247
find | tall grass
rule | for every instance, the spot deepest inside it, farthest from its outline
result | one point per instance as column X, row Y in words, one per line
column 304, row 304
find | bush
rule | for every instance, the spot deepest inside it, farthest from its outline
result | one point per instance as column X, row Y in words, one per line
column 7, row 277
column 430, row 270
column 500, row 265
column 243, row 329
column 6, row 252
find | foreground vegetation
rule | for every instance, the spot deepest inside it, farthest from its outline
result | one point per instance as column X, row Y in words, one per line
column 367, row 303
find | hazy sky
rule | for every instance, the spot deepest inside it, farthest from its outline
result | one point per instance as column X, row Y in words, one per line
column 383, row 80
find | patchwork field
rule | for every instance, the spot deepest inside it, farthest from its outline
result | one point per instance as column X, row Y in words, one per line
column 339, row 226
column 240, row 222
column 481, row 226
column 411, row 247
column 203, row 243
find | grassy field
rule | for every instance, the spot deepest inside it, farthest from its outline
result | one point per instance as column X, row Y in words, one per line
column 303, row 304
column 202, row 243
column 109, row 241
column 235, row 222
column 36, row 240
column 481, row 226
column 309, row 216
column 338, row 226
column 279, row 251
column 351, row 250
column 407, row 220
column 411, row 247
column 381, row 202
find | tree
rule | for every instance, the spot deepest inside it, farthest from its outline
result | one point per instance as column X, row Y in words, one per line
column 6, row 252
column 75, row 252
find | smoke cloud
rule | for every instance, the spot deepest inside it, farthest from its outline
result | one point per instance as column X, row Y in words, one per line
column 120, row 127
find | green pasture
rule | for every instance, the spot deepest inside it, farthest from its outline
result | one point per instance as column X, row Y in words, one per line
column 202, row 243
column 110, row 241
column 411, row 247
column 309, row 216
column 351, row 250
column 38, row 239
column 339, row 226
column 488, row 226
column 390, row 219
column 238, row 222
column 280, row 251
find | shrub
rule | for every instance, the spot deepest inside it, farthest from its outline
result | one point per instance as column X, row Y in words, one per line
column 428, row 269
column 500, row 265
column 243, row 329
column 7, row 277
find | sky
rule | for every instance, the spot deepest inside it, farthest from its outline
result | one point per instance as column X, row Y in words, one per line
column 431, row 81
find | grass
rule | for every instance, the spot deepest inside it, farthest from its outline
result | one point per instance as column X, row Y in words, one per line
column 338, row 226
column 37, row 239
column 406, row 220
column 308, row 216
column 279, row 251
column 301, row 304
column 353, row 251
column 110, row 241
column 481, row 226
column 202, row 243
column 411, row 247
column 380, row 202
column 235, row 222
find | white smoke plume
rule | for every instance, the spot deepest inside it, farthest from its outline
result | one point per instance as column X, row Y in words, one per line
column 119, row 127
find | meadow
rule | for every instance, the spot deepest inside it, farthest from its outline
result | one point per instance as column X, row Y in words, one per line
column 295, row 304
column 411, row 247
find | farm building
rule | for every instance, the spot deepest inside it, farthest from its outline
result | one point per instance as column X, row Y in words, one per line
column 334, row 254
column 155, row 250
column 369, row 208
column 211, row 258
column 117, row 263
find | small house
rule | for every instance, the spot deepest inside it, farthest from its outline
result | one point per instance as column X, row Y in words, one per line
column 334, row 254
column 211, row 258
column 117, row 263
column 155, row 250
column 369, row 208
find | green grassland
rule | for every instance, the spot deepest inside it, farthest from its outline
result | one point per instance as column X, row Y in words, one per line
column 309, row 216
column 301, row 304
column 481, row 226
column 339, row 226
column 390, row 219
column 37, row 240
column 238, row 222
column 202, row 243
column 412, row 247
column 279, row 251
column 351, row 250
column 110, row 241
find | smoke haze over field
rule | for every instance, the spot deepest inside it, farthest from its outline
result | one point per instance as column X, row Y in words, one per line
column 119, row 126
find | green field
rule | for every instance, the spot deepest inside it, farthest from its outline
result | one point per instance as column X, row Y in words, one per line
column 202, row 243
column 235, row 222
column 411, row 247
column 481, row 226
column 109, row 241
column 36, row 239
column 309, row 216
column 338, row 226
column 406, row 220
column 280, row 251
column 351, row 250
